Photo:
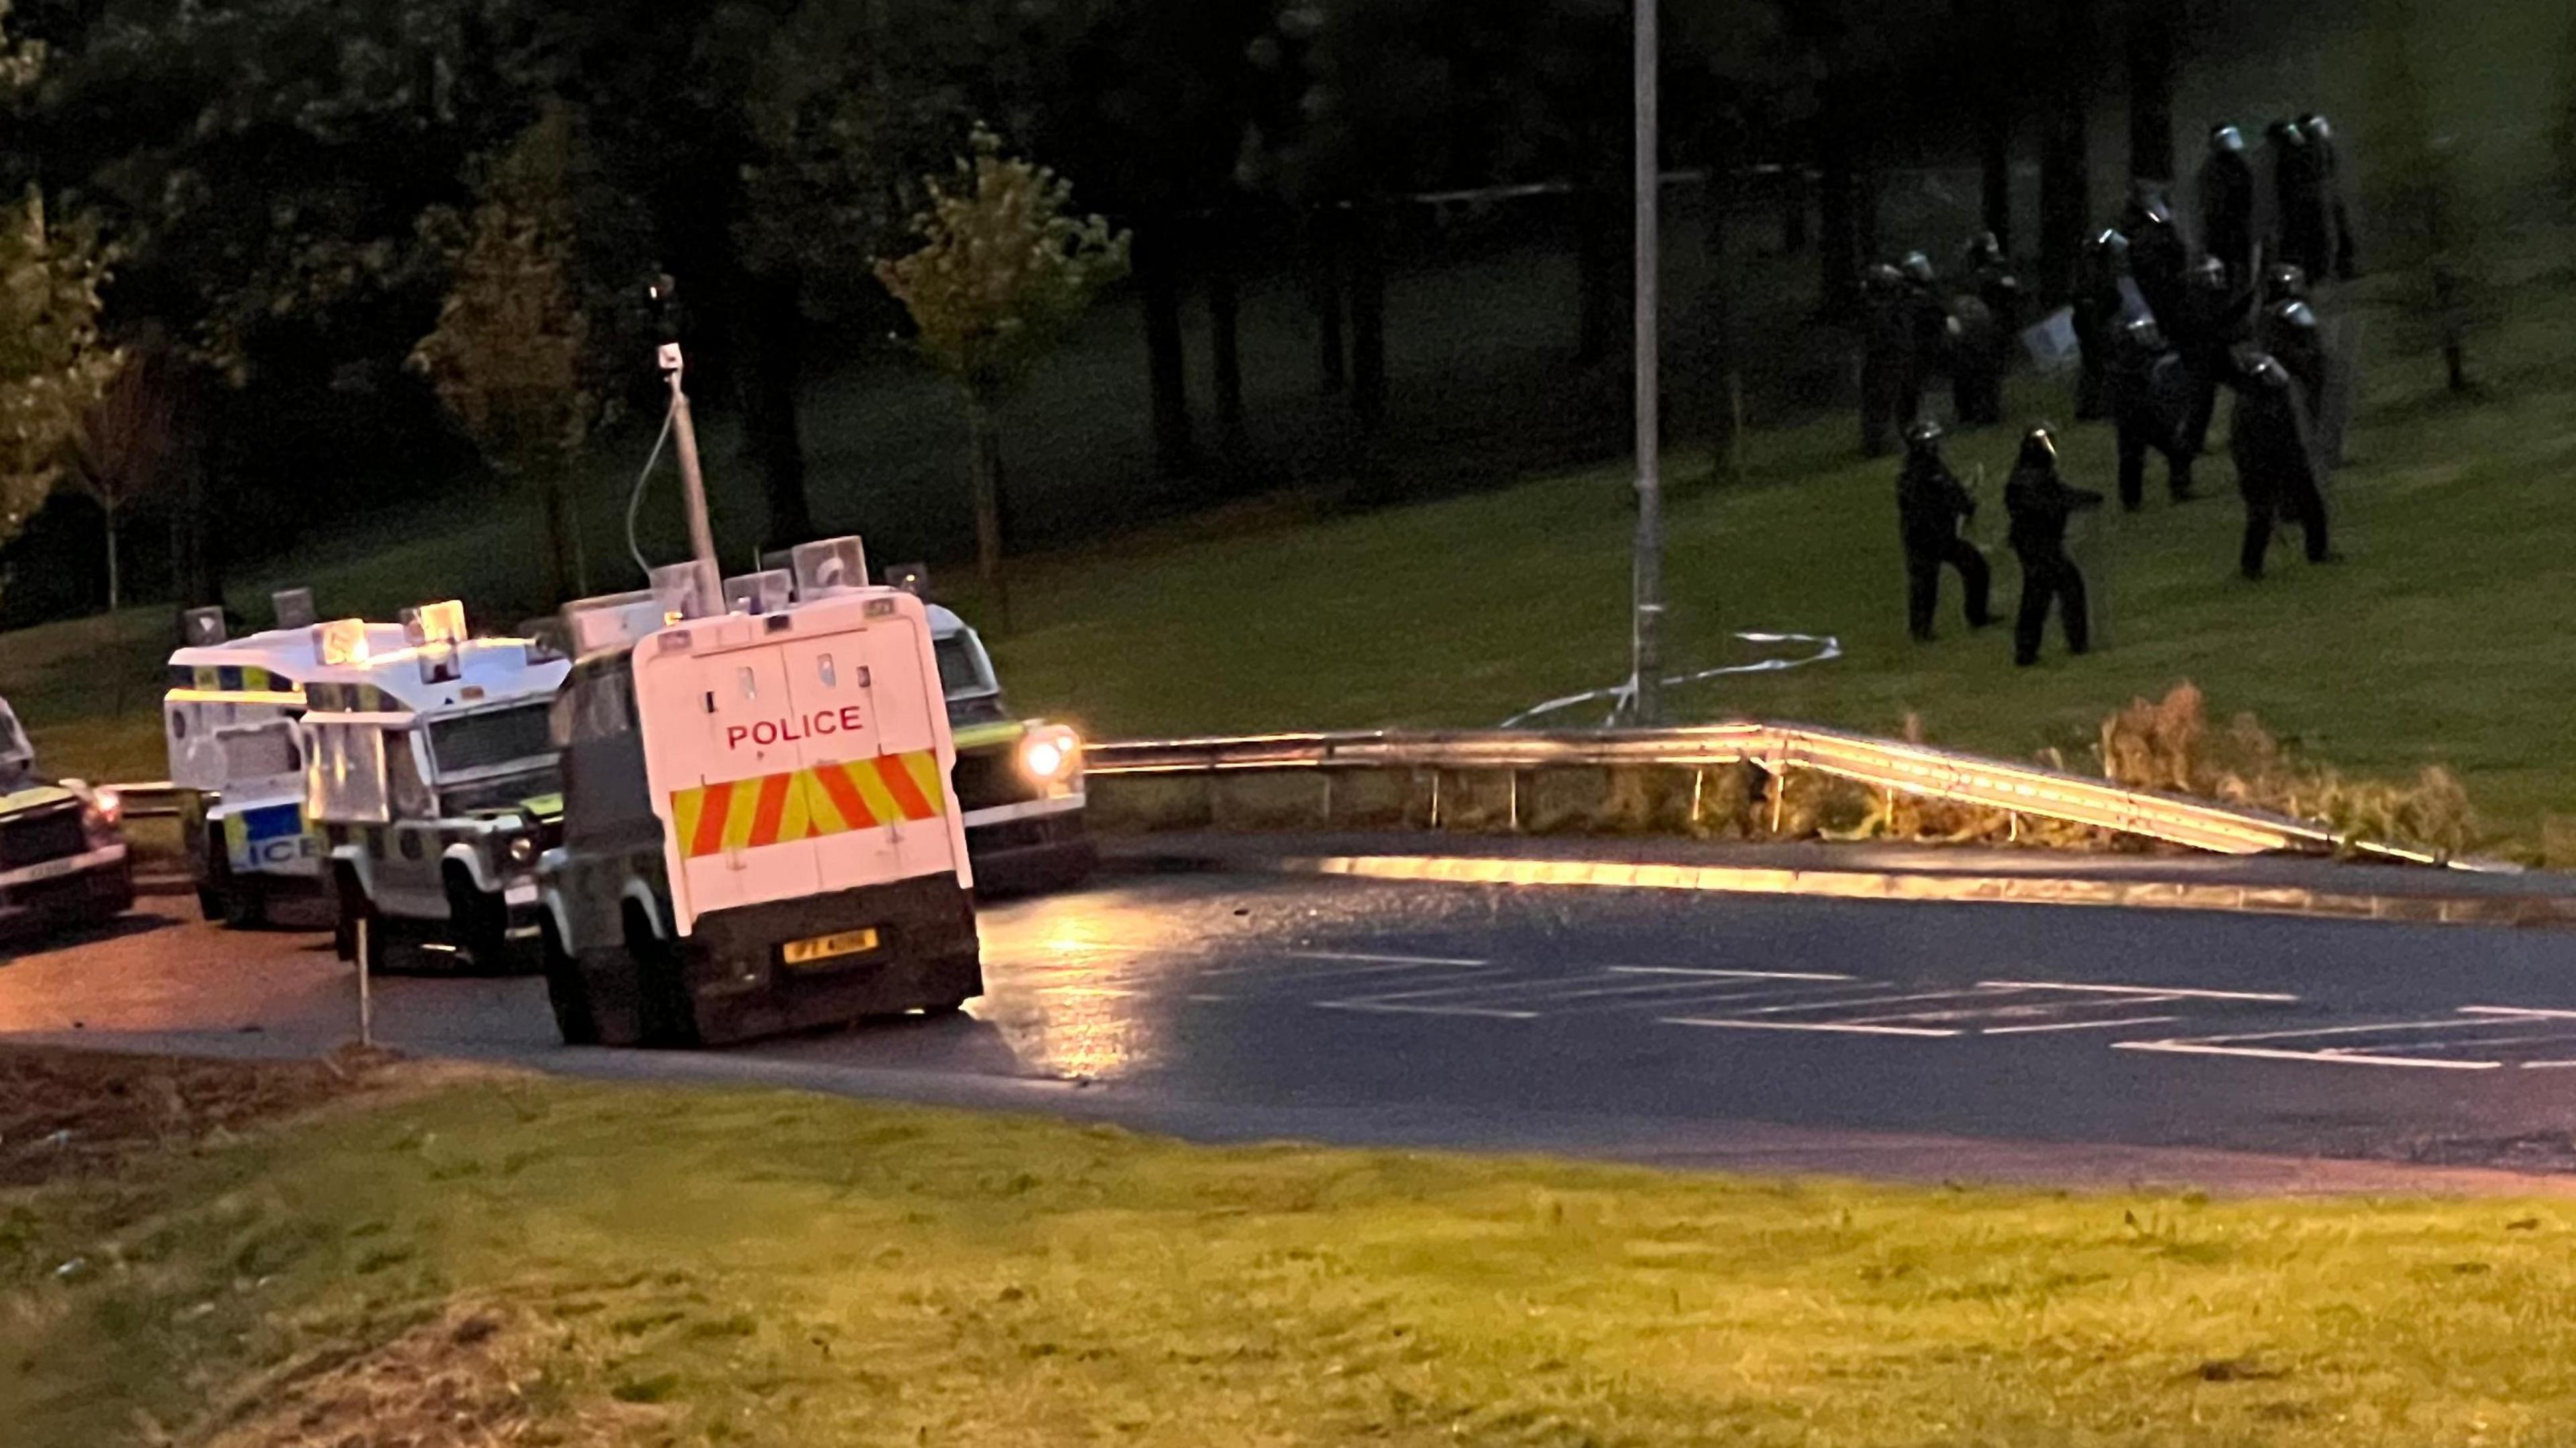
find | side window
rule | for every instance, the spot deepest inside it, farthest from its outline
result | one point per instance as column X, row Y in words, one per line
column 410, row 793
column 564, row 713
column 823, row 667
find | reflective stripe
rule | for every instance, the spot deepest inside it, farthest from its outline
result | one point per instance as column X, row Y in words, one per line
column 806, row 804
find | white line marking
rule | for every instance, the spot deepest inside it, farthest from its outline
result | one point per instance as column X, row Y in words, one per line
column 2077, row 1026
column 2381, row 1029
column 2327, row 1058
column 2549, row 1065
column 1204, row 998
column 1361, row 958
column 1380, row 1008
column 1727, row 974
column 1809, row 1026
column 2176, row 992
column 1938, row 995
column 2527, row 1012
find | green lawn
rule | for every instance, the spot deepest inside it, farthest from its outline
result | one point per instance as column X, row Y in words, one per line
column 2444, row 638
column 574, row 1264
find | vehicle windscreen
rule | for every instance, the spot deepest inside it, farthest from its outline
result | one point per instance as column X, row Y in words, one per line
column 14, row 748
column 488, row 741
column 509, row 792
column 957, row 671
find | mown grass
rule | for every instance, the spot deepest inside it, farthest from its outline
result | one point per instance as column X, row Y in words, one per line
column 2441, row 639
column 770, row 1269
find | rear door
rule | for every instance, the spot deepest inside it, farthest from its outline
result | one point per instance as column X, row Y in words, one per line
column 877, row 765
column 726, row 756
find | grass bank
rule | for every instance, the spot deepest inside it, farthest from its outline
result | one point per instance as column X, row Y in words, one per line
column 2442, row 639
column 541, row 1262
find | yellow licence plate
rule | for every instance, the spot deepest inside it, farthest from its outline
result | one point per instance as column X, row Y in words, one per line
column 831, row 947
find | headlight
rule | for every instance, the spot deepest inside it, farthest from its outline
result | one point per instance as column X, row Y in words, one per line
column 109, row 804
column 1050, row 754
column 523, row 850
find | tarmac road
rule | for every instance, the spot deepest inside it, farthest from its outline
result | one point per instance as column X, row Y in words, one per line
column 1986, row 1041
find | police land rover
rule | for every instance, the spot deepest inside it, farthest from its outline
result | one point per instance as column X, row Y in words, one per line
column 1018, row 780
column 62, row 846
column 236, row 765
column 430, row 776
column 760, row 834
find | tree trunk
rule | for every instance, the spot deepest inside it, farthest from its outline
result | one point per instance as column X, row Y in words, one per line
column 1981, row 24
column 115, row 592
column 2065, row 177
column 1837, row 214
column 1225, row 329
column 1166, row 359
column 984, row 457
column 1794, row 201
column 1368, row 316
column 1324, row 229
column 2151, row 93
column 771, row 342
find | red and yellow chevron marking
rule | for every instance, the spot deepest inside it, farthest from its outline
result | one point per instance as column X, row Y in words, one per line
column 808, row 804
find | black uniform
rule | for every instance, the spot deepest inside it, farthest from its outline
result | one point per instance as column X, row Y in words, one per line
column 2276, row 460
column 2158, row 254
column 2227, row 204
column 1929, row 335
column 1885, row 362
column 2298, row 181
column 1991, row 277
column 2338, row 216
column 2041, row 505
column 1930, row 505
column 2288, row 331
column 2216, row 315
column 2150, row 406
column 2099, row 303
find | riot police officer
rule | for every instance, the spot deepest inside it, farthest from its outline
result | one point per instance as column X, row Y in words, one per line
column 2216, row 314
column 2288, row 331
column 2041, row 505
column 2227, row 204
column 1930, row 506
column 1990, row 276
column 2158, row 254
column 2276, row 459
column 2150, row 403
column 2101, row 285
column 1884, row 360
column 2298, row 182
column 1930, row 337
column 2330, row 166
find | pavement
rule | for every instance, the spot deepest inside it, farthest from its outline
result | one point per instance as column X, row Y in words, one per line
column 1991, row 1041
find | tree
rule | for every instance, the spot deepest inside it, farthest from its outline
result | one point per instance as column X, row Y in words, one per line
column 2422, row 199
column 510, row 355
column 53, row 365
column 1003, row 273
column 131, row 444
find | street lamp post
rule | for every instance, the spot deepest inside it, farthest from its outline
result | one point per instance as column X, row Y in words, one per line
column 1648, row 606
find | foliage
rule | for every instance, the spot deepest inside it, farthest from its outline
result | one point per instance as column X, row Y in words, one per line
column 53, row 364
column 1004, row 270
column 509, row 355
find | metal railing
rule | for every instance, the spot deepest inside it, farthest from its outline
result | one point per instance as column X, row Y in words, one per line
column 1910, row 769
column 151, row 800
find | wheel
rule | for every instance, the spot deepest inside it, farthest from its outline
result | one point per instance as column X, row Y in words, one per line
column 668, row 1018
column 214, row 893
column 210, row 906
column 245, row 906
column 566, row 990
column 478, row 923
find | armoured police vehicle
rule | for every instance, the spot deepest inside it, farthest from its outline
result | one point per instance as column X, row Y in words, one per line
column 229, row 721
column 62, row 845
column 433, row 784
column 1019, row 781
column 760, row 833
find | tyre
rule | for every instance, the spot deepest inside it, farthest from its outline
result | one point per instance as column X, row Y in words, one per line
column 667, row 1015
column 566, row 990
column 245, row 905
column 211, row 907
column 214, row 892
column 478, row 924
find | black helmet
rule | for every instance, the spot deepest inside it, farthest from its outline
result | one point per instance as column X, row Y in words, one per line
column 2287, row 279
column 2039, row 447
column 2208, row 273
column 2227, row 138
column 1882, row 277
column 1985, row 249
column 2143, row 334
column 2254, row 365
column 1918, row 268
column 2286, row 133
column 2147, row 206
column 1924, row 434
column 2316, row 127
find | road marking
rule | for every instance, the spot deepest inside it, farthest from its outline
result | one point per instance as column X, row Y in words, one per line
column 1819, row 1026
column 1381, row 1008
column 2328, row 1058
column 2380, row 1029
column 1206, row 998
column 1362, row 958
column 1938, row 995
column 1728, row 974
column 2527, row 1012
column 2172, row 992
column 2077, row 1026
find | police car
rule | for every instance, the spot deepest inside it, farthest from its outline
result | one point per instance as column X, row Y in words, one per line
column 1019, row 781
column 62, row 846
column 236, row 764
column 760, row 833
column 433, row 784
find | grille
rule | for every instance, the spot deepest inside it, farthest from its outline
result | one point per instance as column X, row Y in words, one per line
column 988, row 779
column 44, row 837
